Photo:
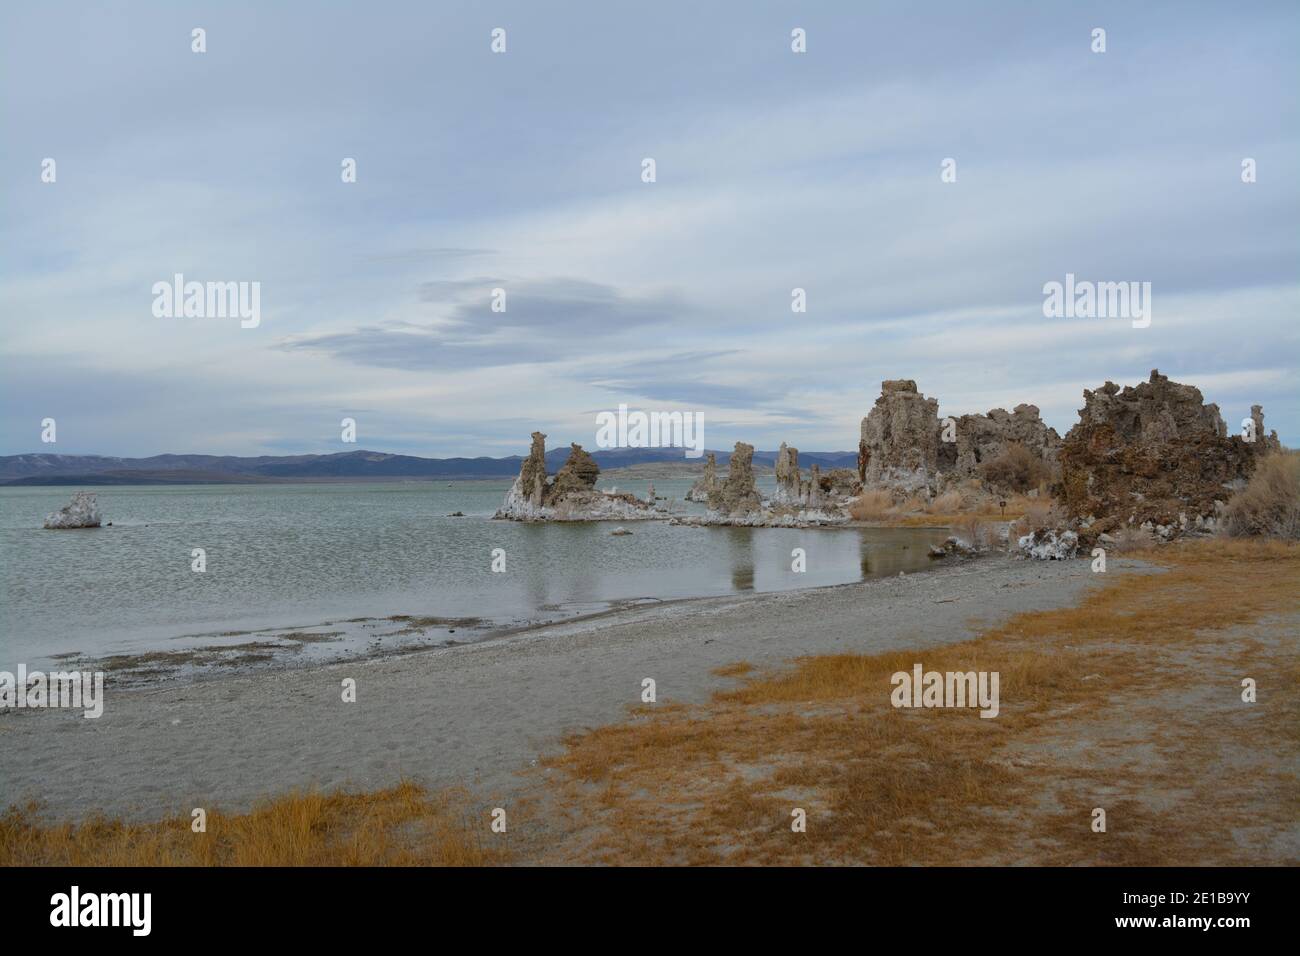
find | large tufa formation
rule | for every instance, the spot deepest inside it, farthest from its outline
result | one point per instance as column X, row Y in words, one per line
column 737, row 494
column 1155, row 455
column 905, row 445
column 701, row 490
column 570, row 496
column 787, row 476
column 81, row 512
column 900, row 438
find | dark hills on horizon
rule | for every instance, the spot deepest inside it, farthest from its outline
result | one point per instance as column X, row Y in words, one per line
column 50, row 469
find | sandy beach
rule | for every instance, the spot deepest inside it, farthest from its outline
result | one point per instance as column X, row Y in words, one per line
column 477, row 715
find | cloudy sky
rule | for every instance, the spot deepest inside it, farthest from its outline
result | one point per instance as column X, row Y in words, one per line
column 522, row 171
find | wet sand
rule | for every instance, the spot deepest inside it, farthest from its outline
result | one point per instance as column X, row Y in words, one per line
column 477, row 714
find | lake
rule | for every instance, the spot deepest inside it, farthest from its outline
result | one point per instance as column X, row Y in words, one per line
column 364, row 568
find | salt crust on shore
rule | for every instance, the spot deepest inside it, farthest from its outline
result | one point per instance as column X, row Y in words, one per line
column 477, row 714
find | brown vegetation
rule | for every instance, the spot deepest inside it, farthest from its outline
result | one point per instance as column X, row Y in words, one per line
column 871, row 505
column 1016, row 469
column 946, row 509
column 972, row 530
column 400, row 826
column 1129, row 539
column 950, row 502
column 1126, row 702
column 1270, row 502
column 1039, row 514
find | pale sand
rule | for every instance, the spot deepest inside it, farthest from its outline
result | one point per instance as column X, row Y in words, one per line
column 477, row 714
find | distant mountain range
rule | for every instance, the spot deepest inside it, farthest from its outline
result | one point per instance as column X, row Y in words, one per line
column 42, row 469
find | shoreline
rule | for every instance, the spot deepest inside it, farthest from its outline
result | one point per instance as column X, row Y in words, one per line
column 477, row 714
column 219, row 650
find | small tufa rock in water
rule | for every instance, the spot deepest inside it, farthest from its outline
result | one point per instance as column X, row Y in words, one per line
column 620, row 531
column 81, row 512
column 701, row 489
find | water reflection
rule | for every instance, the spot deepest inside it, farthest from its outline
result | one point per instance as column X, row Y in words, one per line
column 315, row 553
column 740, row 547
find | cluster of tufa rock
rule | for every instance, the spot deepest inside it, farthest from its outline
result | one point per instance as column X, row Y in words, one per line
column 905, row 446
column 1157, row 457
column 797, row 502
column 571, row 495
column 1154, row 456
column 81, row 512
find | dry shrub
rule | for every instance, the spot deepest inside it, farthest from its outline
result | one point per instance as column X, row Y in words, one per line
column 972, row 530
column 1269, row 505
column 871, row 505
column 1037, row 514
column 912, row 505
column 1131, row 538
column 950, row 502
column 1016, row 469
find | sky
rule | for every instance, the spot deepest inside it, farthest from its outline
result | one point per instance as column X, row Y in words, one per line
column 522, row 171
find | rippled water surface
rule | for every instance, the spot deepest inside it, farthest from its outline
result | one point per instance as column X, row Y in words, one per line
column 297, row 556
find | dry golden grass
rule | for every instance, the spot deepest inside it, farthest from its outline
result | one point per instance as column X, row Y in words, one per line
column 878, row 506
column 950, row 502
column 915, row 504
column 400, row 826
column 936, row 513
column 1129, row 701
column 738, row 669
column 871, row 505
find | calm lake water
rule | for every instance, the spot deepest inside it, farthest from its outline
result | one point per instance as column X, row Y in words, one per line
column 342, row 560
